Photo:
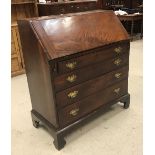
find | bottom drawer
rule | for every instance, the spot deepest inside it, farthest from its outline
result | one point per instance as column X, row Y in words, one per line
column 76, row 110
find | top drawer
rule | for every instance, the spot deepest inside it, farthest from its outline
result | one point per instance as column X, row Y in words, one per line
column 92, row 58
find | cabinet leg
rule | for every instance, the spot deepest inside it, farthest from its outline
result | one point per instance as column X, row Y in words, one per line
column 35, row 121
column 127, row 104
column 58, row 135
column 126, row 101
column 59, row 142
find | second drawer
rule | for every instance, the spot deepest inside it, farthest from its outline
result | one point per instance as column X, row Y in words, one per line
column 67, row 80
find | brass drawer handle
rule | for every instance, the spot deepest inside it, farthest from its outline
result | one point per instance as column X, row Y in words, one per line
column 118, row 50
column 73, row 94
column 71, row 65
column 117, row 62
column 117, row 90
column 71, row 78
column 118, row 75
column 74, row 112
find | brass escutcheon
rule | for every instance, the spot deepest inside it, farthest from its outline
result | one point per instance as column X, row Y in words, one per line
column 117, row 90
column 71, row 65
column 117, row 62
column 73, row 94
column 118, row 50
column 71, row 78
column 74, row 112
column 118, row 75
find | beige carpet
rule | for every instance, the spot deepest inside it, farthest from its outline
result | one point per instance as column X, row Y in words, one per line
column 117, row 132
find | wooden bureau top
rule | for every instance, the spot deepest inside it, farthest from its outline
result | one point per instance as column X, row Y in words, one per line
column 69, row 34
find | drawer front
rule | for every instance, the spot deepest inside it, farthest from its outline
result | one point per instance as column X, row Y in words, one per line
column 76, row 110
column 63, row 9
column 92, row 6
column 92, row 58
column 85, row 89
column 71, row 8
column 85, row 7
column 67, row 80
column 45, row 10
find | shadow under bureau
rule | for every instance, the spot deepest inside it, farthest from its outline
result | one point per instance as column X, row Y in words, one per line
column 77, row 66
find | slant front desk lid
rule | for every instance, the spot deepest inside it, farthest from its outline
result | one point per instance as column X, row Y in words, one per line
column 72, row 33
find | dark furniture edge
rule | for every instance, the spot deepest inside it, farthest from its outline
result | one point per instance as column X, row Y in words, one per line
column 58, row 134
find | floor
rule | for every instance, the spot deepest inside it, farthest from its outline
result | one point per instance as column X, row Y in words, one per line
column 117, row 132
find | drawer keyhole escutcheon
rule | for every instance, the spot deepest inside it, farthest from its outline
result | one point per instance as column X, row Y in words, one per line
column 118, row 50
column 71, row 78
column 73, row 94
column 118, row 75
column 74, row 112
column 117, row 62
column 117, row 90
column 71, row 65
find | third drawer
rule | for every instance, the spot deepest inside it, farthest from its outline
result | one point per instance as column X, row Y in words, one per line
column 85, row 89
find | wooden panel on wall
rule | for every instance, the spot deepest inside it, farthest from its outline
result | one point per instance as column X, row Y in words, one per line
column 19, row 9
column 22, row 11
column 16, row 55
column 21, row 1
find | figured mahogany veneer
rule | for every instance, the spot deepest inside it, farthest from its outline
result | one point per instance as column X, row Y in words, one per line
column 87, row 73
column 92, row 86
column 75, row 33
column 87, row 105
column 77, row 66
column 94, row 57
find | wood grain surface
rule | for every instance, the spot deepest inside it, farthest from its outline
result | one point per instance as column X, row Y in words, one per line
column 92, row 102
column 67, row 35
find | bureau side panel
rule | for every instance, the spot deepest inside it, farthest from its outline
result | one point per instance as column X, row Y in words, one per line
column 38, row 74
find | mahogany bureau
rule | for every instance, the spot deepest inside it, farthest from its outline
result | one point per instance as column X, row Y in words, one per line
column 77, row 66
